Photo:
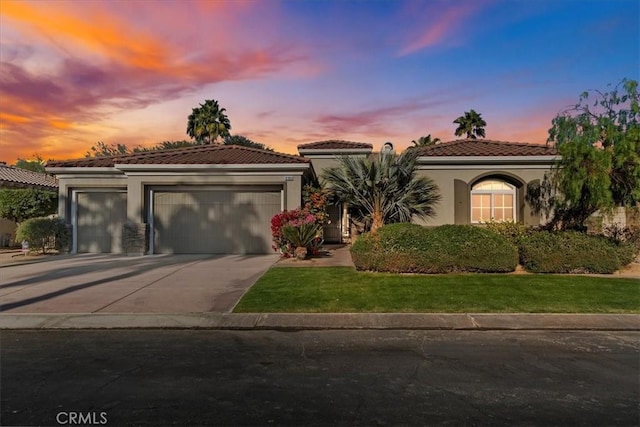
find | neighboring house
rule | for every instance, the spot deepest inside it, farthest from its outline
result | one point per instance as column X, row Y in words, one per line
column 201, row 199
column 479, row 180
column 220, row 199
column 12, row 177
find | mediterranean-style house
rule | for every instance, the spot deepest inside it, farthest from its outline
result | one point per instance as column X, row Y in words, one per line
column 12, row 177
column 221, row 198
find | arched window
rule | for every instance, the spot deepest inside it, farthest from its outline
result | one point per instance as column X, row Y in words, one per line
column 493, row 200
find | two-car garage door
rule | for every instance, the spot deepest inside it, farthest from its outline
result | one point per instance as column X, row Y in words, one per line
column 214, row 221
column 186, row 220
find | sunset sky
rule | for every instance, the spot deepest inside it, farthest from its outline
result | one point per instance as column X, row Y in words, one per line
column 291, row 72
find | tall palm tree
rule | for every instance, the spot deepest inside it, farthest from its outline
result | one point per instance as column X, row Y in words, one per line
column 384, row 189
column 471, row 124
column 207, row 122
column 425, row 141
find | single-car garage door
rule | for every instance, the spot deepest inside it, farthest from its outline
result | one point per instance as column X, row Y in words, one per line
column 99, row 221
column 222, row 220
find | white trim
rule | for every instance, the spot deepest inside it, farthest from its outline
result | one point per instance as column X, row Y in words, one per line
column 150, row 222
column 484, row 166
column 327, row 153
column 225, row 167
column 486, row 159
column 81, row 170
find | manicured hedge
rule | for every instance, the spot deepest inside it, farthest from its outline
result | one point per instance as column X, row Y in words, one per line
column 43, row 234
column 572, row 252
column 410, row 248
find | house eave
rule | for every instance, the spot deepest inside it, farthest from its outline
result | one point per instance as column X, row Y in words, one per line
column 214, row 167
column 315, row 152
column 487, row 160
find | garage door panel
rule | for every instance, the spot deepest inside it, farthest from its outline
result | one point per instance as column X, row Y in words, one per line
column 214, row 222
column 100, row 219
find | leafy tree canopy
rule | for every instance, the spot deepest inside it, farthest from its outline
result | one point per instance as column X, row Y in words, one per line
column 21, row 204
column 598, row 141
column 470, row 124
column 102, row 149
column 208, row 122
column 36, row 164
column 244, row 141
column 382, row 190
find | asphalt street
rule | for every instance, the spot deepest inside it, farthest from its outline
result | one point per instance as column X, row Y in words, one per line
column 390, row 377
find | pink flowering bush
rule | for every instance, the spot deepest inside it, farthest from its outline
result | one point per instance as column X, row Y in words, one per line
column 298, row 219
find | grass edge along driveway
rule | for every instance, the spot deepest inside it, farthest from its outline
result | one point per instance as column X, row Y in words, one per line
column 345, row 290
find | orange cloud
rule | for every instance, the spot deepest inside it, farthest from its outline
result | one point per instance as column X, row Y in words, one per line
column 443, row 26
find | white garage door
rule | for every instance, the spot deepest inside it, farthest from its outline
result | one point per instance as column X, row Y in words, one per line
column 214, row 221
column 99, row 221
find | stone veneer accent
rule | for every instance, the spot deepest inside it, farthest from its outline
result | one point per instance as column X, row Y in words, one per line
column 135, row 238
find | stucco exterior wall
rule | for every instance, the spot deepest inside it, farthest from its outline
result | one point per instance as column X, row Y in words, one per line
column 448, row 210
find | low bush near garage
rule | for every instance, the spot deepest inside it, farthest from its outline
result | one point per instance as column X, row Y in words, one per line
column 44, row 234
column 410, row 248
column 572, row 252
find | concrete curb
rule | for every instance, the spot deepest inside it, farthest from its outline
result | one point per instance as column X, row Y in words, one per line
column 324, row 321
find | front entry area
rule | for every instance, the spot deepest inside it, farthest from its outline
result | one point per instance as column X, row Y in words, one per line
column 213, row 220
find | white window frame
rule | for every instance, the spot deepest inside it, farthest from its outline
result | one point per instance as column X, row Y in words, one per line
column 493, row 193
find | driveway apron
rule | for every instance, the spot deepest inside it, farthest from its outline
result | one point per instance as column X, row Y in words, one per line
column 119, row 284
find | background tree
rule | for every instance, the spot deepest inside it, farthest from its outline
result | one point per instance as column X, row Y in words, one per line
column 21, row 204
column 382, row 190
column 470, row 124
column 244, row 141
column 207, row 122
column 36, row 164
column 102, row 149
column 425, row 141
column 599, row 167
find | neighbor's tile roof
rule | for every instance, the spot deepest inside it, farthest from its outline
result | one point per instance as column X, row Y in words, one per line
column 11, row 176
column 485, row 147
column 197, row 155
column 335, row 144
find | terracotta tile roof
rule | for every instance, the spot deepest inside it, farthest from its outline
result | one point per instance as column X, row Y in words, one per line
column 11, row 176
column 335, row 144
column 197, row 155
column 485, row 147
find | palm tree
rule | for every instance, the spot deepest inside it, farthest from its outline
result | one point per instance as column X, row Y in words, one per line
column 384, row 189
column 207, row 122
column 425, row 141
column 471, row 124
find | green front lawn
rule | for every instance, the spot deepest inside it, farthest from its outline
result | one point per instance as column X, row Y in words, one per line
column 342, row 290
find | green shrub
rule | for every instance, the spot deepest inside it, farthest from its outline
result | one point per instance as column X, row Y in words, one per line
column 569, row 252
column 44, row 233
column 410, row 248
column 514, row 231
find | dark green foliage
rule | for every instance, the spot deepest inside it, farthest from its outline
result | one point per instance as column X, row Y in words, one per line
column 513, row 231
column 410, row 248
column 599, row 166
column 382, row 190
column 34, row 165
column 21, row 204
column 571, row 252
column 244, row 142
column 208, row 122
column 44, row 233
column 470, row 124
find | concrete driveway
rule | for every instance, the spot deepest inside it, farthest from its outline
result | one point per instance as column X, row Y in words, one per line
column 92, row 283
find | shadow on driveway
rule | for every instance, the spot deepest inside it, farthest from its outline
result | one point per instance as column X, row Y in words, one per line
column 154, row 283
